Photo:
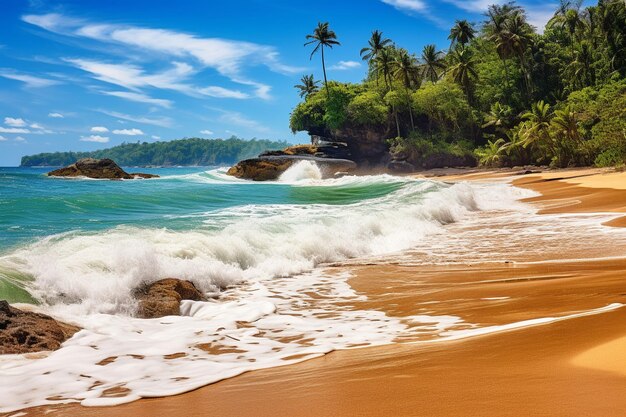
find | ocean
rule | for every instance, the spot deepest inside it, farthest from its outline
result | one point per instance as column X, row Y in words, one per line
column 77, row 248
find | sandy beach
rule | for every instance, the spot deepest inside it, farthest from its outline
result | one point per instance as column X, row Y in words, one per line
column 564, row 355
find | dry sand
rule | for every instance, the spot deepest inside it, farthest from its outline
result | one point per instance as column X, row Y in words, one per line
column 574, row 367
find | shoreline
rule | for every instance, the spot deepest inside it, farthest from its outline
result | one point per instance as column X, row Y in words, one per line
column 434, row 379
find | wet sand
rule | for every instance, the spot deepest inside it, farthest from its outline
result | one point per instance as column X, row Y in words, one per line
column 573, row 367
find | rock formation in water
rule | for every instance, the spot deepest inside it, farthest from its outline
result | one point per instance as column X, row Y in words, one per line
column 25, row 331
column 331, row 158
column 97, row 168
column 163, row 297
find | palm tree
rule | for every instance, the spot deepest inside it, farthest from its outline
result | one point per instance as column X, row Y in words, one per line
column 461, row 33
column 308, row 86
column 406, row 69
column 581, row 71
column 499, row 117
column 322, row 36
column 566, row 122
column 463, row 68
column 491, row 154
column 517, row 36
column 537, row 128
column 496, row 30
column 568, row 16
column 384, row 64
column 376, row 44
column 432, row 60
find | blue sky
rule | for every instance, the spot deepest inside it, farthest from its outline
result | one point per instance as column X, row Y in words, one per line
column 87, row 74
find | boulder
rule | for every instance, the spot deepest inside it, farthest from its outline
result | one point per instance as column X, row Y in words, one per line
column 270, row 167
column 400, row 166
column 96, row 168
column 162, row 298
column 25, row 331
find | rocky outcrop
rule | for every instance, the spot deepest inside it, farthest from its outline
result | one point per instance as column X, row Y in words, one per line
column 162, row 298
column 97, row 168
column 266, row 168
column 330, row 157
column 25, row 331
column 368, row 146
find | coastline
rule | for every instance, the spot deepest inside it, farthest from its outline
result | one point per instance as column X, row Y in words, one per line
column 552, row 369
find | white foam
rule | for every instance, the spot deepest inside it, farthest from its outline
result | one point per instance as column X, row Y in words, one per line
column 301, row 170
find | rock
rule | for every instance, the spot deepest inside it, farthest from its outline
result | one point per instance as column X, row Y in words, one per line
column 162, row 298
column 270, row 167
column 400, row 166
column 25, row 331
column 96, row 168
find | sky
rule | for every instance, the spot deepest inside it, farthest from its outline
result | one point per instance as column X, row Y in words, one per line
column 89, row 74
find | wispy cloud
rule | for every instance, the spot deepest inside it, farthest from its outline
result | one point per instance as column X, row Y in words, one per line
column 206, row 132
column 155, row 137
column 99, row 129
column 56, row 115
column 345, row 65
column 13, row 130
column 407, row 5
column 14, row 122
column 238, row 119
column 412, row 7
column 156, row 121
column 20, row 139
column 2, row 138
column 94, row 138
column 139, row 98
column 128, row 132
column 30, row 80
column 227, row 57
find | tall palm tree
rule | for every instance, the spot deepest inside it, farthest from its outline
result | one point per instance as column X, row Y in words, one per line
column 461, row 33
column 518, row 37
column 568, row 16
column 432, row 61
column 405, row 69
column 463, row 68
column 384, row 64
column 322, row 37
column 308, row 86
column 496, row 30
column 376, row 44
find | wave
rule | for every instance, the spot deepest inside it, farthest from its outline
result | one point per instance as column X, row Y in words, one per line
column 91, row 272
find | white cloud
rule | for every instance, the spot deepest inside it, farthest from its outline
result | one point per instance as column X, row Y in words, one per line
column 155, row 137
column 407, row 5
column 134, row 78
column 99, row 129
column 238, row 119
column 14, row 122
column 221, row 92
column 156, row 121
column 2, row 138
column 345, row 65
column 474, row 6
column 94, row 138
column 55, row 115
column 20, row 139
column 29, row 80
column 227, row 57
column 128, row 132
column 140, row 98
column 13, row 130
column 206, row 132
column 36, row 126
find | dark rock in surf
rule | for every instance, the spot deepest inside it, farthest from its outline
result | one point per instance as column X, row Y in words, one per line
column 25, row 331
column 163, row 297
column 97, row 168
column 266, row 168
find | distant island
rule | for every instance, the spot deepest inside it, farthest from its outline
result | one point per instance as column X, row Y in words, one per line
column 191, row 151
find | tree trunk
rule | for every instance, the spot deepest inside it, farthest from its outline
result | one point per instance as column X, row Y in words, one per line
column 324, row 70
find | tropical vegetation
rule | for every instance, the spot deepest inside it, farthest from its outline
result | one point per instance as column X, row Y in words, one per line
column 503, row 93
column 192, row 151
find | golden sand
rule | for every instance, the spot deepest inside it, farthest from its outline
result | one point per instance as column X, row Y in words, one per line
column 573, row 367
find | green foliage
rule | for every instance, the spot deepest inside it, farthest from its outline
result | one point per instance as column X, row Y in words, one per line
column 194, row 151
column 513, row 95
